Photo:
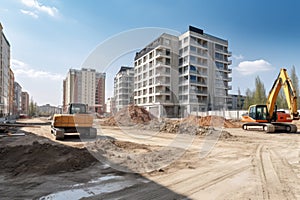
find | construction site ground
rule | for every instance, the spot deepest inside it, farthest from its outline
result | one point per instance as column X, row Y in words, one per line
column 242, row 165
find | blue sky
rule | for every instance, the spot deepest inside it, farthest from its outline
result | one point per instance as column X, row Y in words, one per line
column 48, row 37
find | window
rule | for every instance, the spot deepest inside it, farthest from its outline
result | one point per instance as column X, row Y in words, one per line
column 167, row 52
column 167, row 98
column 193, row 49
column 167, row 70
column 185, row 49
column 167, row 42
column 185, row 39
column 192, row 68
column 168, row 61
column 193, row 78
column 192, row 58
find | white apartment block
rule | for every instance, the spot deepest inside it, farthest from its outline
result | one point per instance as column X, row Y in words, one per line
column 180, row 75
column 85, row 86
column 123, row 88
column 156, row 76
column 203, row 72
column 5, row 73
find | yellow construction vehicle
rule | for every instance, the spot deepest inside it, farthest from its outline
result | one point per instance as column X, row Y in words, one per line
column 266, row 116
column 76, row 120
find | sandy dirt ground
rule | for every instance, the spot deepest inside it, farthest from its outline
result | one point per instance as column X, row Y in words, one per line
column 128, row 163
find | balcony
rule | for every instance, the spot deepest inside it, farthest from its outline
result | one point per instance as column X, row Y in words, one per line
column 229, row 87
column 198, row 92
column 162, row 73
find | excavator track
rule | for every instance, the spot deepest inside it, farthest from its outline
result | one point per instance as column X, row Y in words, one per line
column 271, row 127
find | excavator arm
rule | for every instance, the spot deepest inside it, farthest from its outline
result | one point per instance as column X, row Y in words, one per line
column 283, row 81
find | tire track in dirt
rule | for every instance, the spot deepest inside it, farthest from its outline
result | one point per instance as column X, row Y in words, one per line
column 284, row 170
column 272, row 188
column 215, row 175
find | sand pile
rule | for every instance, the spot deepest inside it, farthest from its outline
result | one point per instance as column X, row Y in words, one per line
column 43, row 159
column 128, row 116
column 211, row 121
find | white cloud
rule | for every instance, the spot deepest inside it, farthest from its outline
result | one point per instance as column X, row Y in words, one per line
column 251, row 67
column 30, row 13
column 21, row 69
column 238, row 57
column 38, row 7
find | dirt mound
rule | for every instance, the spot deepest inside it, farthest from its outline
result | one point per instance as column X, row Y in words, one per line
column 212, row 121
column 128, row 116
column 43, row 159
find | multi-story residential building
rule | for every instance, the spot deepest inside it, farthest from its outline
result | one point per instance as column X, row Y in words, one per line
column 156, row 76
column 123, row 87
column 5, row 73
column 11, row 91
column 203, row 71
column 110, row 105
column 100, row 93
column 17, row 98
column 236, row 102
column 46, row 110
column 25, row 103
column 85, row 86
column 179, row 75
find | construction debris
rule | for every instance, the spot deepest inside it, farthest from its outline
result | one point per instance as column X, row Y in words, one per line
column 129, row 116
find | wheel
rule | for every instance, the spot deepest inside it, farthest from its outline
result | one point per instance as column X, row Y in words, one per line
column 244, row 127
column 59, row 134
column 288, row 128
column 269, row 128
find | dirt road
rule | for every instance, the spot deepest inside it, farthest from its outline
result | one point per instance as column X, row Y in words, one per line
column 248, row 165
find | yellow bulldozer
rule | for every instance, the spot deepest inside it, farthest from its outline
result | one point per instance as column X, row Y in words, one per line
column 76, row 120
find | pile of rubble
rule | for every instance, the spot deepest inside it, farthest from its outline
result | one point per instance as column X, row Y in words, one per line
column 129, row 116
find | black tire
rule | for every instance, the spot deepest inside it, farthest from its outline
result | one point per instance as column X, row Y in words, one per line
column 244, row 127
column 288, row 128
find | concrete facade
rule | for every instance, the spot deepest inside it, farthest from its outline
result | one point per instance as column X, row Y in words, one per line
column 17, row 99
column 177, row 75
column 25, row 103
column 123, row 88
column 156, row 76
column 85, row 86
column 203, row 72
column 5, row 74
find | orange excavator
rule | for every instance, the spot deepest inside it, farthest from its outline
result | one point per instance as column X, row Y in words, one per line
column 266, row 117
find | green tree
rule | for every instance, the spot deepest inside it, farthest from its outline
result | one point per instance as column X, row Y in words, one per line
column 259, row 96
column 295, row 81
column 281, row 100
column 32, row 108
column 249, row 99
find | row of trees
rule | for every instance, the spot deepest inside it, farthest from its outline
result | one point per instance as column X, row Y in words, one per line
column 258, row 95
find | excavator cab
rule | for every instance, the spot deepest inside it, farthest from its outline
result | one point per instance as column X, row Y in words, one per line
column 256, row 113
column 77, row 108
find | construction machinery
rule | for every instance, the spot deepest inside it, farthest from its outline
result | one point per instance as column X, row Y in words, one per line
column 76, row 120
column 267, row 117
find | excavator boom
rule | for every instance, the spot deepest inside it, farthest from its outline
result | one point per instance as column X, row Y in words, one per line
column 283, row 81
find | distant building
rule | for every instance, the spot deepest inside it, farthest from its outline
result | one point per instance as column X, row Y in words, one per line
column 5, row 74
column 123, row 87
column 17, row 98
column 48, row 110
column 11, row 91
column 110, row 105
column 85, row 86
column 25, row 103
column 236, row 102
